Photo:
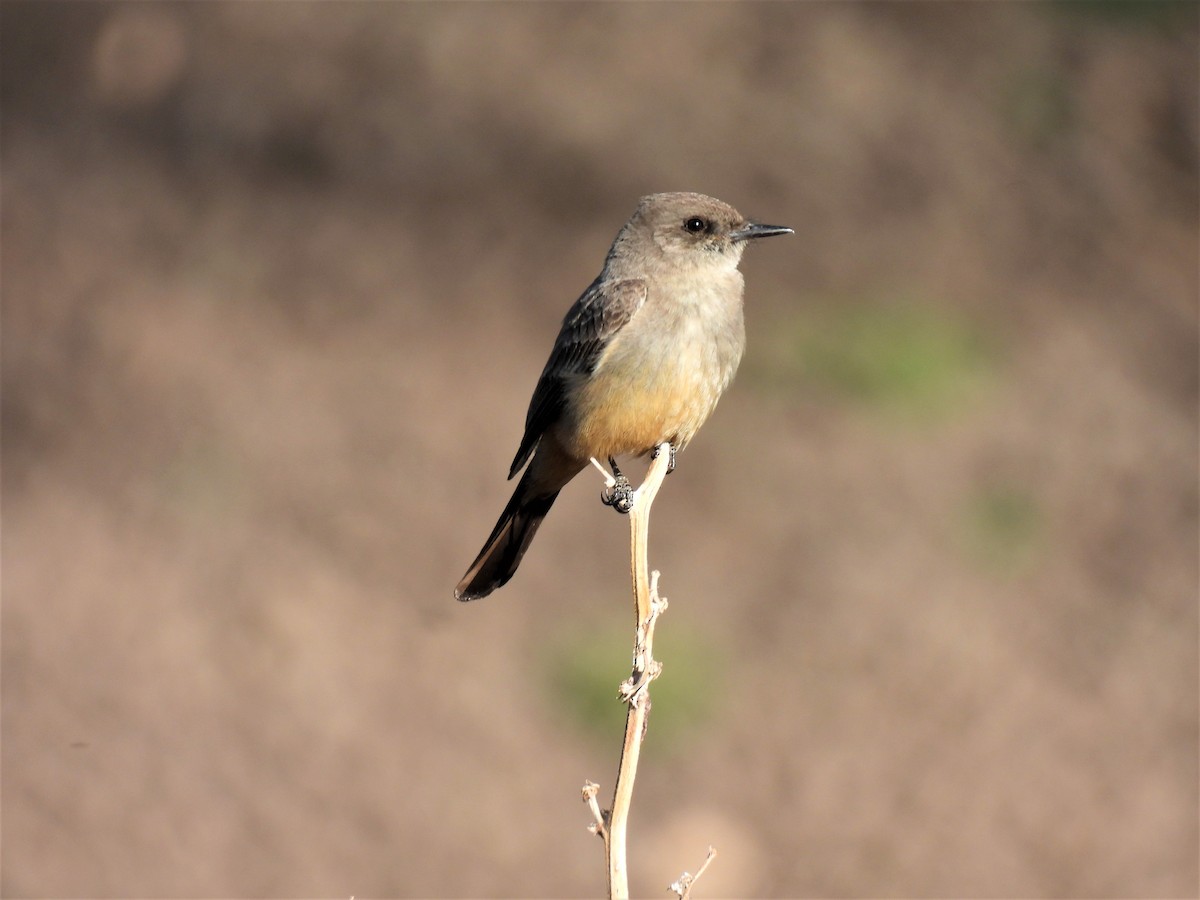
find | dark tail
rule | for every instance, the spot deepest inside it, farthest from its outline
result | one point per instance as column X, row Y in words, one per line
column 502, row 553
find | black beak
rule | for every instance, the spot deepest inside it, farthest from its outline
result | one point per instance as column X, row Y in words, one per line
column 758, row 231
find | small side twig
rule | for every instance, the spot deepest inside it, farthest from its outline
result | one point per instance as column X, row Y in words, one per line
column 609, row 481
column 600, row 825
column 683, row 887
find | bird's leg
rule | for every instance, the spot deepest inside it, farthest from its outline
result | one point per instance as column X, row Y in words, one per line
column 670, row 461
column 620, row 494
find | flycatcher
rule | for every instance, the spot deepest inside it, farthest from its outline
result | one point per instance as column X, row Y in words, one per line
column 642, row 358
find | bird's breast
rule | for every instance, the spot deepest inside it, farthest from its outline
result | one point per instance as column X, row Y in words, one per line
column 661, row 376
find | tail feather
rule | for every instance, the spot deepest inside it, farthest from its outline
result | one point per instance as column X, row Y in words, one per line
column 502, row 552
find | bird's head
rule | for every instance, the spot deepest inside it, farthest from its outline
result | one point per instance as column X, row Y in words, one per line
column 696, row 227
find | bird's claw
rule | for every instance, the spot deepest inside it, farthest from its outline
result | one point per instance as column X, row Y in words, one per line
column 670, row 459
column 619, row 496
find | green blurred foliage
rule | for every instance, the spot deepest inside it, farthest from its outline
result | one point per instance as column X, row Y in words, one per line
column 1037, row 106
column 1160, row 14
column 1004, row 528
column 903, row 358
column 584, row 669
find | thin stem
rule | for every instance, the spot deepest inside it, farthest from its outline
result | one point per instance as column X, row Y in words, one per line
column 636, row 691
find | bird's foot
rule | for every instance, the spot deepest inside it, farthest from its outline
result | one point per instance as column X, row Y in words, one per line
column 618, row 495
column 670, row 460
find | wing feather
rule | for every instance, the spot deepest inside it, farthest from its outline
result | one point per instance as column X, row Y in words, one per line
column 590, row 324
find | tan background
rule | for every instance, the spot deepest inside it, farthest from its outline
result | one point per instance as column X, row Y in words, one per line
column 277, row 282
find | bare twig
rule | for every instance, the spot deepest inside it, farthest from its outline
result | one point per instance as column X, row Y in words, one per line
column 600, row 826
column 609, row 481
column 683, row 887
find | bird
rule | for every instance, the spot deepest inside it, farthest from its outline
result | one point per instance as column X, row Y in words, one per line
column 641, row 359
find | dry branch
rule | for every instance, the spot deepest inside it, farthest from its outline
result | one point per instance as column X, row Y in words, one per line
column 635, row 691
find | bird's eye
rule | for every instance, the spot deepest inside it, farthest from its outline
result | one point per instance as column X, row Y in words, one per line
column 695, row 225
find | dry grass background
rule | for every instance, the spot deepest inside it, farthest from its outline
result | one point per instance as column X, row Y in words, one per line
column 277, row 281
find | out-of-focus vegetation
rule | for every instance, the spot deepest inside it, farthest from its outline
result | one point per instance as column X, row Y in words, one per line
column 583, row 670
column 1004, row 528
column 901, row 357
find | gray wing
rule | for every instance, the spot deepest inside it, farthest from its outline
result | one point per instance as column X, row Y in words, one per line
column 602, row 311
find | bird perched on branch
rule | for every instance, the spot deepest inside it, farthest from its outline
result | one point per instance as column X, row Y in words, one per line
column 642, row 358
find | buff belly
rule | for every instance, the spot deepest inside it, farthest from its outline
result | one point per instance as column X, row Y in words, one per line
column 640, row 397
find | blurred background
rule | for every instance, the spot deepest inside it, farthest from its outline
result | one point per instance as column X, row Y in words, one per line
column 278, row 280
